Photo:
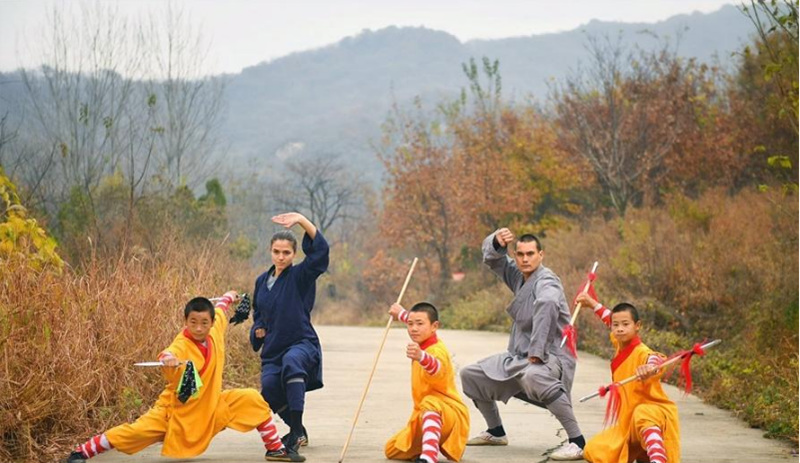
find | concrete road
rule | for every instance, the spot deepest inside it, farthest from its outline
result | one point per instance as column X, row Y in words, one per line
column 707, row 433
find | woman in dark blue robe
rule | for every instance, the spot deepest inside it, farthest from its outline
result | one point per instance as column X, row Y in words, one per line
column 291, row 357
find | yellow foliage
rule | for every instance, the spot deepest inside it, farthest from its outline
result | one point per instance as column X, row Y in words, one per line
column 21, row 237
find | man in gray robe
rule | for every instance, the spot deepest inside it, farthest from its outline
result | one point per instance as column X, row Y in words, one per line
column 535, row 368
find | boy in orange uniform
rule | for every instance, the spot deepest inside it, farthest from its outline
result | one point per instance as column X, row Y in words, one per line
column 187, row 423
column 647, row 427
column 439, row 419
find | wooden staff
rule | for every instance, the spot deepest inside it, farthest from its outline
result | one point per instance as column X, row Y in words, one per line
column 660, row 367
column 578, row 305
column 375, row 363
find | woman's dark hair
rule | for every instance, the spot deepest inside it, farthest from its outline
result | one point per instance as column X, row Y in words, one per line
column 284, row 235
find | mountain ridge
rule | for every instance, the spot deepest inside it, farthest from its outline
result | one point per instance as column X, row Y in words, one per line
column 333, row 99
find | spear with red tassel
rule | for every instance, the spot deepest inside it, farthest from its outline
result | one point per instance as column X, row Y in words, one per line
column 570, row 336
column 612, row 390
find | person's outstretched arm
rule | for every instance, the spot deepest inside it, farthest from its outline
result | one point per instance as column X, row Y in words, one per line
column 599, row 309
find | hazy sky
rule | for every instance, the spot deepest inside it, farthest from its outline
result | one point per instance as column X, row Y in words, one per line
column 246, row 32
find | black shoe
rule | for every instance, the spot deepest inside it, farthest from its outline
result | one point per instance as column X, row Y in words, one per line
column 284, row 454
column 74, row 457
column 291, row 442
column 302, row 439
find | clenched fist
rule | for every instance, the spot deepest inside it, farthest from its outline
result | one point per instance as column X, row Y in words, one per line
column 504, row 237
column 413, row 351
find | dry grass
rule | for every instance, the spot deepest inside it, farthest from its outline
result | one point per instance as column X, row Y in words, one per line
column 68, row 341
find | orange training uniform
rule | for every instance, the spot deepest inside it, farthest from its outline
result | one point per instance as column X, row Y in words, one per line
column 644, row 404
column 187, row 428
column 436, row 393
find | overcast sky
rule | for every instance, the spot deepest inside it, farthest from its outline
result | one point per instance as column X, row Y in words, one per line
column 246, row 32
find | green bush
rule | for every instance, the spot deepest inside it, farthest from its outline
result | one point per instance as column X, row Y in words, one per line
column 483, row 310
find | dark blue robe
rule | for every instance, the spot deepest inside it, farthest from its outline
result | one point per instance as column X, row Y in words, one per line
column 291, row 347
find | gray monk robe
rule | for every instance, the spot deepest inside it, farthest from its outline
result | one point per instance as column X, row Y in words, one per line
column 539, row 312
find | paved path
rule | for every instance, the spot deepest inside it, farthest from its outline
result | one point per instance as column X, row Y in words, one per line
column 707, row 433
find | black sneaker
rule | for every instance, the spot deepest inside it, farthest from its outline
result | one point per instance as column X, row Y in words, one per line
column 74, row 457
column 283, row 454
column 303, row 440
column 291, row 442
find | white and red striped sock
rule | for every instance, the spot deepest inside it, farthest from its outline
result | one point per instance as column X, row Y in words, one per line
column 94, row 446
column 430, row 363
column 269, row 435
column 654, row 444
column 603, row 313
column 431, row 433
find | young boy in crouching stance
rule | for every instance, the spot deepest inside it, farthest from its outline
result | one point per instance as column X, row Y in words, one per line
column 647, row 427
column 440, row 419
column 193, row 408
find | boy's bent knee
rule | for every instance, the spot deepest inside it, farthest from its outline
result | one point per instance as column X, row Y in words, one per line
column 647, row 415
column 430, row 404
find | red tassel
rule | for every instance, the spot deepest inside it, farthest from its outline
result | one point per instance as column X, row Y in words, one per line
column 613, row 405
column 590, row 291
column 571, row 335
column 685, row 374
column 686, row 366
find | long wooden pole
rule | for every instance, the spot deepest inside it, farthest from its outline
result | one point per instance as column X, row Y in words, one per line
column 578, row 305
column 660, row 367
column 375, row 363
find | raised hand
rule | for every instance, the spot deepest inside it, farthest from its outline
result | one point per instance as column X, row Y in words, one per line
column 395, row 310
column 260, row 333
column 504, row 237
column 586, row 300
column 288, row 219
column 242, row 311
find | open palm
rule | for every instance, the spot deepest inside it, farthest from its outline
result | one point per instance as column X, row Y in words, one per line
column 288, row 220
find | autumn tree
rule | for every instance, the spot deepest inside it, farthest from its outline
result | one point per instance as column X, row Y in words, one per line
column 471, row 166
column 488, row 192
column 419, row 211
column 510, row 156
column 624, row 114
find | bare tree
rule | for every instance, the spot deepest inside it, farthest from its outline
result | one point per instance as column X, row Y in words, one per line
column 5, row 135
column 323, row 188
column 117, row 96
column 78, row 97
column 623, row 115
column 190, row 102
